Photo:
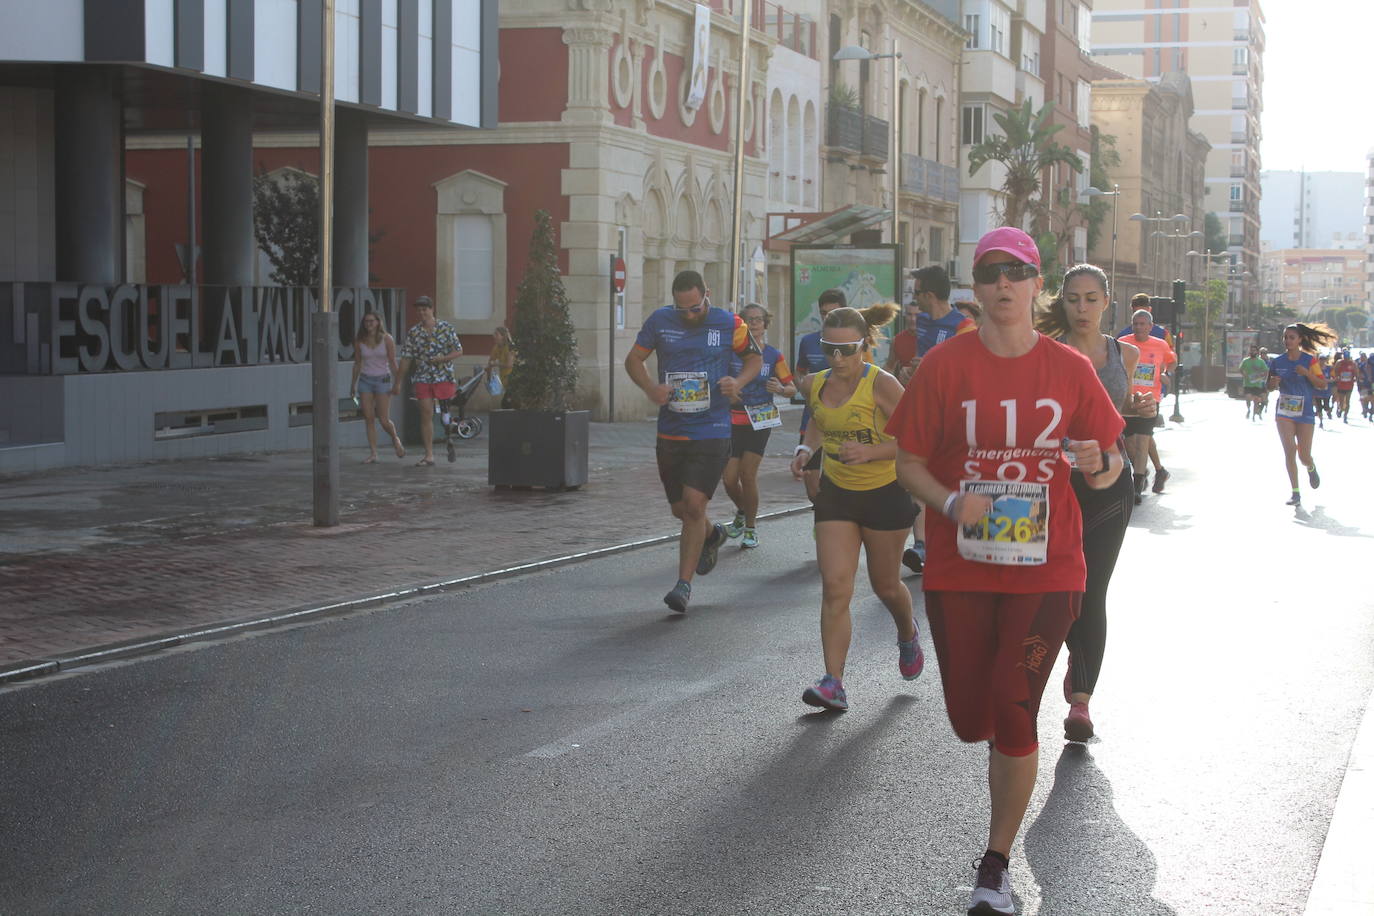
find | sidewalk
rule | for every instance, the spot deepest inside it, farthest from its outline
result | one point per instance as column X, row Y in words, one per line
column 95, row 556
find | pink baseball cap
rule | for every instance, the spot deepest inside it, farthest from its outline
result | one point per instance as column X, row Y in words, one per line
column 1011, row 240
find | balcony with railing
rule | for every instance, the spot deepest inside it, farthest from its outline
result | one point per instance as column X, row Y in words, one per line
column 852, row 130
column 794, row 31
column 930, row 178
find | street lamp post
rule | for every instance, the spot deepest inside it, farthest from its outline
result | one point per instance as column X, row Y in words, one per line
column 1115, row 195
column 1158, row 234
column 855, row 52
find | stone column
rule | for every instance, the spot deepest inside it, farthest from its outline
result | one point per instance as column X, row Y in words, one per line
column 588, row 76
column 350, row 198
column 226, row 187
column 88, row 166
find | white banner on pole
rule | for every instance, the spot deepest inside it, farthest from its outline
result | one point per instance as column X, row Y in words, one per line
column 701, row 49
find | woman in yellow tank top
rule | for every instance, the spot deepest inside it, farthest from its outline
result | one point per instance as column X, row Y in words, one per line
column 859, row 503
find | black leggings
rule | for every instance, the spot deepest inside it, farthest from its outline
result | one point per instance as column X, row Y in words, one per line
column 1105, row 516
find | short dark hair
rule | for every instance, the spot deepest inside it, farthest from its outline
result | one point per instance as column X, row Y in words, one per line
column 933, row 279
column 1141, row 301
column 832, row 295
column 688, row 279
column 424, row 302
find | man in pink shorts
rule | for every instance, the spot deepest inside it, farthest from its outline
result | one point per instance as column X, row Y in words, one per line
column 427, row 356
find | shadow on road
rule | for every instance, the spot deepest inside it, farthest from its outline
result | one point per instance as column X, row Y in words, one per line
column 1318, row 518
column 1084, row 857
column 1158, row 518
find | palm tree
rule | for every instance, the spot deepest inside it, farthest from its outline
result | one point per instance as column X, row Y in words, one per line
column 1027, row 148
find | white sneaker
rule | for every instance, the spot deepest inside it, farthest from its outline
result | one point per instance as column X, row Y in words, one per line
column 991, row 889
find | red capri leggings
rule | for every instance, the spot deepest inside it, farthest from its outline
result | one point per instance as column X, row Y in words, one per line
column 995, row 653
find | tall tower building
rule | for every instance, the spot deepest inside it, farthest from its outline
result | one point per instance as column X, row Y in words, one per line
column 1221, row 49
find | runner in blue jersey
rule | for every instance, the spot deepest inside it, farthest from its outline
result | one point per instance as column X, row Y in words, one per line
column 1297, row 375
column 694, row 342
column 1364, row 381
column 753, row 417
column 810, row 359
column 930, row 320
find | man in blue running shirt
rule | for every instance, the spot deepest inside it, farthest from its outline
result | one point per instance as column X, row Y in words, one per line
column 694, row 341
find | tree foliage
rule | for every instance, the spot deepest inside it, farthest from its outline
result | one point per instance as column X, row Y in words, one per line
column 286, row 222
column 1214, row 233
column 1208, row 306
column 1026, row 147
column 545, row 372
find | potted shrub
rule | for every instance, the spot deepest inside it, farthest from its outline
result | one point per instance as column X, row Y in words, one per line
column 538, row 441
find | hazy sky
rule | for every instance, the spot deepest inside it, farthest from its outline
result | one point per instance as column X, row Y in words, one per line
column 1318, row 101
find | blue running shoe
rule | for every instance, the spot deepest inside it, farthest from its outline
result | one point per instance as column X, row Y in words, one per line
column 827, row 694
column 710, row 550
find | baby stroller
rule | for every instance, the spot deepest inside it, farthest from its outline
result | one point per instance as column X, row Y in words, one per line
column 451, row 415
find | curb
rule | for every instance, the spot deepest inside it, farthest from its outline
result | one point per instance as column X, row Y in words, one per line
column 36, row 668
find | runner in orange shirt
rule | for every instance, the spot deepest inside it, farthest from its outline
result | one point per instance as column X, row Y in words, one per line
column 1152, row 370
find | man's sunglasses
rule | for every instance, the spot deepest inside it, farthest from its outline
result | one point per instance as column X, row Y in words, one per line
column 839, row 350
column 1012, row 270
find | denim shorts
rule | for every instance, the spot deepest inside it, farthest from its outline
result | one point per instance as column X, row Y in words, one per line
column 374, row 384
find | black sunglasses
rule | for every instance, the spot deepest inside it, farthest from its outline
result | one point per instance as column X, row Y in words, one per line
column 839, row 350
column 1012, row 270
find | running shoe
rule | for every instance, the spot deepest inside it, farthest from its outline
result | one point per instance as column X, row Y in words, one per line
column 1140, row 480
column 1161, row 477
column 1294, row 500
column 827, row 694
column 736, row 527
column 750, row 539
column 677, row 599
column 914, row 557
column 911, row 661
column 1078, row 726
column 991, row 889
column 1313, row 478
column 710, row 550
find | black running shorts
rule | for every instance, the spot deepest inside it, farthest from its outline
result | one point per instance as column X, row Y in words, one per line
column 887, row 508
column 1140, row 426
column 695, row 463
column 744, row 438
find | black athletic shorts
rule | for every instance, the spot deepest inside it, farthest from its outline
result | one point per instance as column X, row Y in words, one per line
column 1140, row 426
column 1256, row 391
column 887, row 508
column 744, row 438
column 695, row 463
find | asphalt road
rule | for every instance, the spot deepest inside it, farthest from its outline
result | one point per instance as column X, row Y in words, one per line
column 559, row 743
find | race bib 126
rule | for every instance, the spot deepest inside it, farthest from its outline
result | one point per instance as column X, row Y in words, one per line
column 1015, row 532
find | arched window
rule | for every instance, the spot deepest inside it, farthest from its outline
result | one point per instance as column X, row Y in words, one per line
column 794, row 151
column 777, row 148
column 810, row 155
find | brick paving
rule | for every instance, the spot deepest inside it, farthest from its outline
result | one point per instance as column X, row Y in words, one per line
column 91, row 557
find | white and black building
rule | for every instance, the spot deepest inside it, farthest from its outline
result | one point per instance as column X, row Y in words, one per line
column 82, row 349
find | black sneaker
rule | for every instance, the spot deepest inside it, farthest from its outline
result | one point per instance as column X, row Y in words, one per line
column 711, row 549
column 677, row 599
column 1140, row 480
column 913, row 560
column 1161, row 477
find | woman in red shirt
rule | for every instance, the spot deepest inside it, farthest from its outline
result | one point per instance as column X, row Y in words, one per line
column 982, row 435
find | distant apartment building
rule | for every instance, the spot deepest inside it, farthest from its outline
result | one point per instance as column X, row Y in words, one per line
column 1311, row 209
column 1160, row 176
column 861, row 110
column 1369, row 225
column 1221, row 48
column 1068, row 73
column 1309, row 280
column 1003, row 65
